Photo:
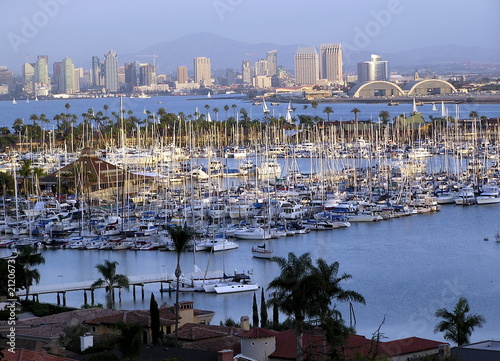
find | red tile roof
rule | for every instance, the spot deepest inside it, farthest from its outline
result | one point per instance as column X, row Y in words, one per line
column 25, row 355
column 355, row 345
column 258, row 333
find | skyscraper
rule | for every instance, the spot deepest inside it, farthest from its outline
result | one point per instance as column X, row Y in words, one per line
column 261, row 67
column 28, row 76
column 246, row 71
column 375, row 69
column 67, row 83
column 111, row 71
column 306, row 65
column 96, row 72
column 330, row 62
column 42, row 70
column 202, row 71
column 182, row 74
column 272, row 62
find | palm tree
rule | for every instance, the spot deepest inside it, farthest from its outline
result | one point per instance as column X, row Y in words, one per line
column 356, row 111
column 26, row 275
column 180, row 237
column 473, row 114
column 384, row 115
column 314, row 105
column 291, row 291
column 110, row 280
column 226, row 109
column 216, row 111
column 328, row 111
column 457, row 325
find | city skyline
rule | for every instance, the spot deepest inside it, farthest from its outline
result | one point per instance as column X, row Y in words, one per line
column 31, row 27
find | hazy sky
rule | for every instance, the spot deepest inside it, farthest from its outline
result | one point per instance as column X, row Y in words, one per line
column 82, row 28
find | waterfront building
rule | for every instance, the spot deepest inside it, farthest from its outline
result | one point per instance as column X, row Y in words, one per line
column 56, row 75
column 147, row 75
column 306, row 65
column 182, row 74
column 272, row 63
column 67, row 83
column 111, row 71
column 230, row 76
column 202, row 71
column 42, row 70
column 262, row 81
column 373, row 70
column 330, row 60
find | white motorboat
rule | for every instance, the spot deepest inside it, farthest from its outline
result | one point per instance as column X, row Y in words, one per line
column 465, row 197
column 217, row 245
column 489, row 195
column 269, row 169
column 253, row 233
column 233, row 287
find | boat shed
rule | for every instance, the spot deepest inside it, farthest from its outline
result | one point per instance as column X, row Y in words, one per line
column 429, row 87
column 375, row 89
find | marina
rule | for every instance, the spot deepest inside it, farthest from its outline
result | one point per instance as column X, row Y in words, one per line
column 403, row 215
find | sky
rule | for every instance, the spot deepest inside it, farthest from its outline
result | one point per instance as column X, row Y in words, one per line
column 82, row 28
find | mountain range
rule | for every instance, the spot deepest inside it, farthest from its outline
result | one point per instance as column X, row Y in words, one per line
column 227, row 53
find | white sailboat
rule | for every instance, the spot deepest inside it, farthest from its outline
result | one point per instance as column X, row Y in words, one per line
column 288, row 117
column 27, row 99
column 14, row 101
column 434, row 108
column 265, row 109
column 36, row 98
column 209, row 95
column 290, row 108
column 209, row 117
column 262, row 251
column 415, row 110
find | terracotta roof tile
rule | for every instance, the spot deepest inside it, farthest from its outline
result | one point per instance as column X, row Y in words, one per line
column 258, row 333
column 25, row 355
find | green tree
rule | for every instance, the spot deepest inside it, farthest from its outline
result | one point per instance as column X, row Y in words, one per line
column 356, row 111
column 181, row 236
column 110, row 280
column 458, row 324
column 255, row 312
column 26, row 275
column 70, row 338
column 154, row 313
column 263, row 310
column 130, row 340
column 328, row 111
column 384, row 115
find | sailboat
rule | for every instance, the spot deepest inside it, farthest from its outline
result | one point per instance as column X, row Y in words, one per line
column 209, row 117
column 36, row 98
column 14, row 101
column 290, row 108
column 209, row 95
column 415, row 111
column 265, row 109
column 288, row 117
column 434, row 108
column 27, row 99
column 262, row 251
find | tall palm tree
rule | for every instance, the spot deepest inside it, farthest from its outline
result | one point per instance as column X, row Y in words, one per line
column 314, row 105
column 384, row 115
column 26, row 275
column 180, row 237
column 458, row 325
column 226, row 109
column 473, row 114
column 110, row 280
column 356, row 111
column 291, row 291
column 328, row 111
column 216, row 111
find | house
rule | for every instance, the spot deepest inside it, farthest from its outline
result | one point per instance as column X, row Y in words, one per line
column 187, row 314
column 26, row 355
column 479, row 351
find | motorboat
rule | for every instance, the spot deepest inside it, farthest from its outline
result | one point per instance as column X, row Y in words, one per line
column 253, row 233
column 489, row 195
column 465, row 197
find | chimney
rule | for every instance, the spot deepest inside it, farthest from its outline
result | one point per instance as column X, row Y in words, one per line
column 225, row 355
column 245, row 323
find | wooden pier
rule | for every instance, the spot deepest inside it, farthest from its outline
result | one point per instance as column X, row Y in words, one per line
column 61, row 289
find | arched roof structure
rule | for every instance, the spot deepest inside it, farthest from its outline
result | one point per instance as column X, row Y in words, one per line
column 429, row 87
column 376, row 88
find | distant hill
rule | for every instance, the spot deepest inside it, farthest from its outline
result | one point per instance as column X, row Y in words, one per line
column 227, row 53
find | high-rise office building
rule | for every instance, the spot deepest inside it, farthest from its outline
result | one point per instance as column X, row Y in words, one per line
column 261, row 67
column 306, row 65
column 28, row 74
column 56, row 76
column 202, row 71
column 111, row 71
column 247, row 72
column 375, row 69
column 147, row 74
column 272, row 62
column 67, row 83
column 97, row 72
column 182, row 74
column 42, row 70
column 230, row 76
column 330, row 62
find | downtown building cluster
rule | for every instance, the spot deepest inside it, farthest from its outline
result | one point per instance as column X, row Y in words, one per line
column 107, row 77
